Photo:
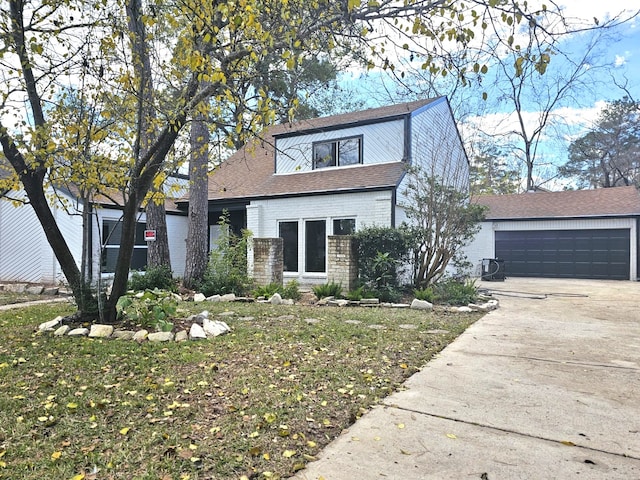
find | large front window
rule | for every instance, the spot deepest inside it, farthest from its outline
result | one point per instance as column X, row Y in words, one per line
column 346, row 151
column 111, row 235
column 315, row 245
column 344, row 226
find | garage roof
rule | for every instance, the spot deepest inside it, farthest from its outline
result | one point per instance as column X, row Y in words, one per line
column 602, row 202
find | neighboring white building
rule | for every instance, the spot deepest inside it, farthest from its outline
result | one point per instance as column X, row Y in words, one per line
column 570, row 234
column 333, row 175
column 25, row 254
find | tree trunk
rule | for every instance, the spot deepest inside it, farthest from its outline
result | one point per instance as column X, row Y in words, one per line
column 158, row 250
column 197, row 237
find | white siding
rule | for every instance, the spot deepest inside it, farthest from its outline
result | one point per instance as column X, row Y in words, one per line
column 381, row 143
column 25, row 254
column 483, row 245
column 368, row 209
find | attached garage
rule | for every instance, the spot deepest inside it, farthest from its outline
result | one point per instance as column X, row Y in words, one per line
column 572, row 234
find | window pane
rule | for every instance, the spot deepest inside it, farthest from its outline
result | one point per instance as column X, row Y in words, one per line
column 111, row 232
column 315, row 243
column 349, row 151
column 289, row 235
column 344, row 226
column 324, row 155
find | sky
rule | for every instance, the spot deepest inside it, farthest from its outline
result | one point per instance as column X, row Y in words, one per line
column 619, row 50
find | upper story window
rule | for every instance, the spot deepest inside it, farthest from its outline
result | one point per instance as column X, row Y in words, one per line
column 346, row 151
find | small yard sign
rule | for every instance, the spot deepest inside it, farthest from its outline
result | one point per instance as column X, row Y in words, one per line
column 150, row 235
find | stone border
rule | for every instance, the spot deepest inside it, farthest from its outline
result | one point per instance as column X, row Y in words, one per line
column 203, row 328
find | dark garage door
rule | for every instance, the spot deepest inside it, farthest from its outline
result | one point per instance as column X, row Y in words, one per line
column 565, row 253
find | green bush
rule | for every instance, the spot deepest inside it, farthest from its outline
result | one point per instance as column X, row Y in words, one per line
column 292, row 290
column 160, row 277
column 427, row 294
column 455, row 292
column 330, row 289
column 227, row 268
column 150, row 308
column 381, row 251
column 356, row 294
column 267, row 291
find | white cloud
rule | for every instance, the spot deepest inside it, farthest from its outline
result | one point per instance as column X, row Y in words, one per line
column 620, row 60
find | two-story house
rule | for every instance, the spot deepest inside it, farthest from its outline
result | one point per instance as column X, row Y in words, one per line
column 332, row 176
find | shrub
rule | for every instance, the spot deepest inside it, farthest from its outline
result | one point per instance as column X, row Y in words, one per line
column 455, row 292
column 330, row 289
column 292, row 290
column 160, row 277
column 227, row 268
column 381, row 251
column 267, row 290
column 150, row 308
column 425, row 294
column 356, row 294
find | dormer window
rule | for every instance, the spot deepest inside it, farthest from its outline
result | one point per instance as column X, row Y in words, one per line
column 345, row 151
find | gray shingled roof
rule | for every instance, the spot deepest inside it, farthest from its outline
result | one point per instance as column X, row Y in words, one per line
column 602, row 202
column 249, row 173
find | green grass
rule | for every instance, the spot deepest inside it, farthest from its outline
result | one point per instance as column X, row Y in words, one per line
column 259, row 402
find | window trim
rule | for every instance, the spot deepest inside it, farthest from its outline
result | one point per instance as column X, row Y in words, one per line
column 335, row 146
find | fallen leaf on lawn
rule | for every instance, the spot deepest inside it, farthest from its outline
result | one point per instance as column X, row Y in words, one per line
column 270, row 417
column 404, row 452
column 451, row 435
column 4, row 365
column 72, row 405
column 311, row 443
column 56, row 455
column 80, row 476
column 124, row 430
column 568, row 443
column 288, row 453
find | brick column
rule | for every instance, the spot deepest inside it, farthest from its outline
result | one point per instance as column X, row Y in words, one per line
column 342, row 261
column 267, row 261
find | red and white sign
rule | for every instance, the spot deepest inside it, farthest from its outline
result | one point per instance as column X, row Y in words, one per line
column 150, row 235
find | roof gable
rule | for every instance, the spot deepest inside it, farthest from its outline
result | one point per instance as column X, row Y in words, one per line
column 249, row 173
column 602, row 202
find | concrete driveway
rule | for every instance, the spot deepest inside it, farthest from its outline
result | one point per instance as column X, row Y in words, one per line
column 546, row 387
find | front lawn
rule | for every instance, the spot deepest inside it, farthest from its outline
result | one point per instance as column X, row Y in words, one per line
column 257, row 403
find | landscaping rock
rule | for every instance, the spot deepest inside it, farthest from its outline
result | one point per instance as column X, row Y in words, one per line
column 338, row 303
column 50, row 325
column 369, row 301
column 214, row 328
column 377, row 327
column 226, row 314
column 421, row 305
column 400, row 305
column 312, row 321
column 229, row 297
column 181, row 336
column 197, row 332
column 16, row 287
column 79, row 332
column 353, row 322
column 34, row 290
column 62, row 331
column 275, row 299
column 51, row 291
column 437, row 332
column 123, row 334
column 100, row 331
column 463, row 309
column 199, row 297
column 160, row 337
column 408, row 326
column 213, row 298
column 288, row 301
column 140, row 336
